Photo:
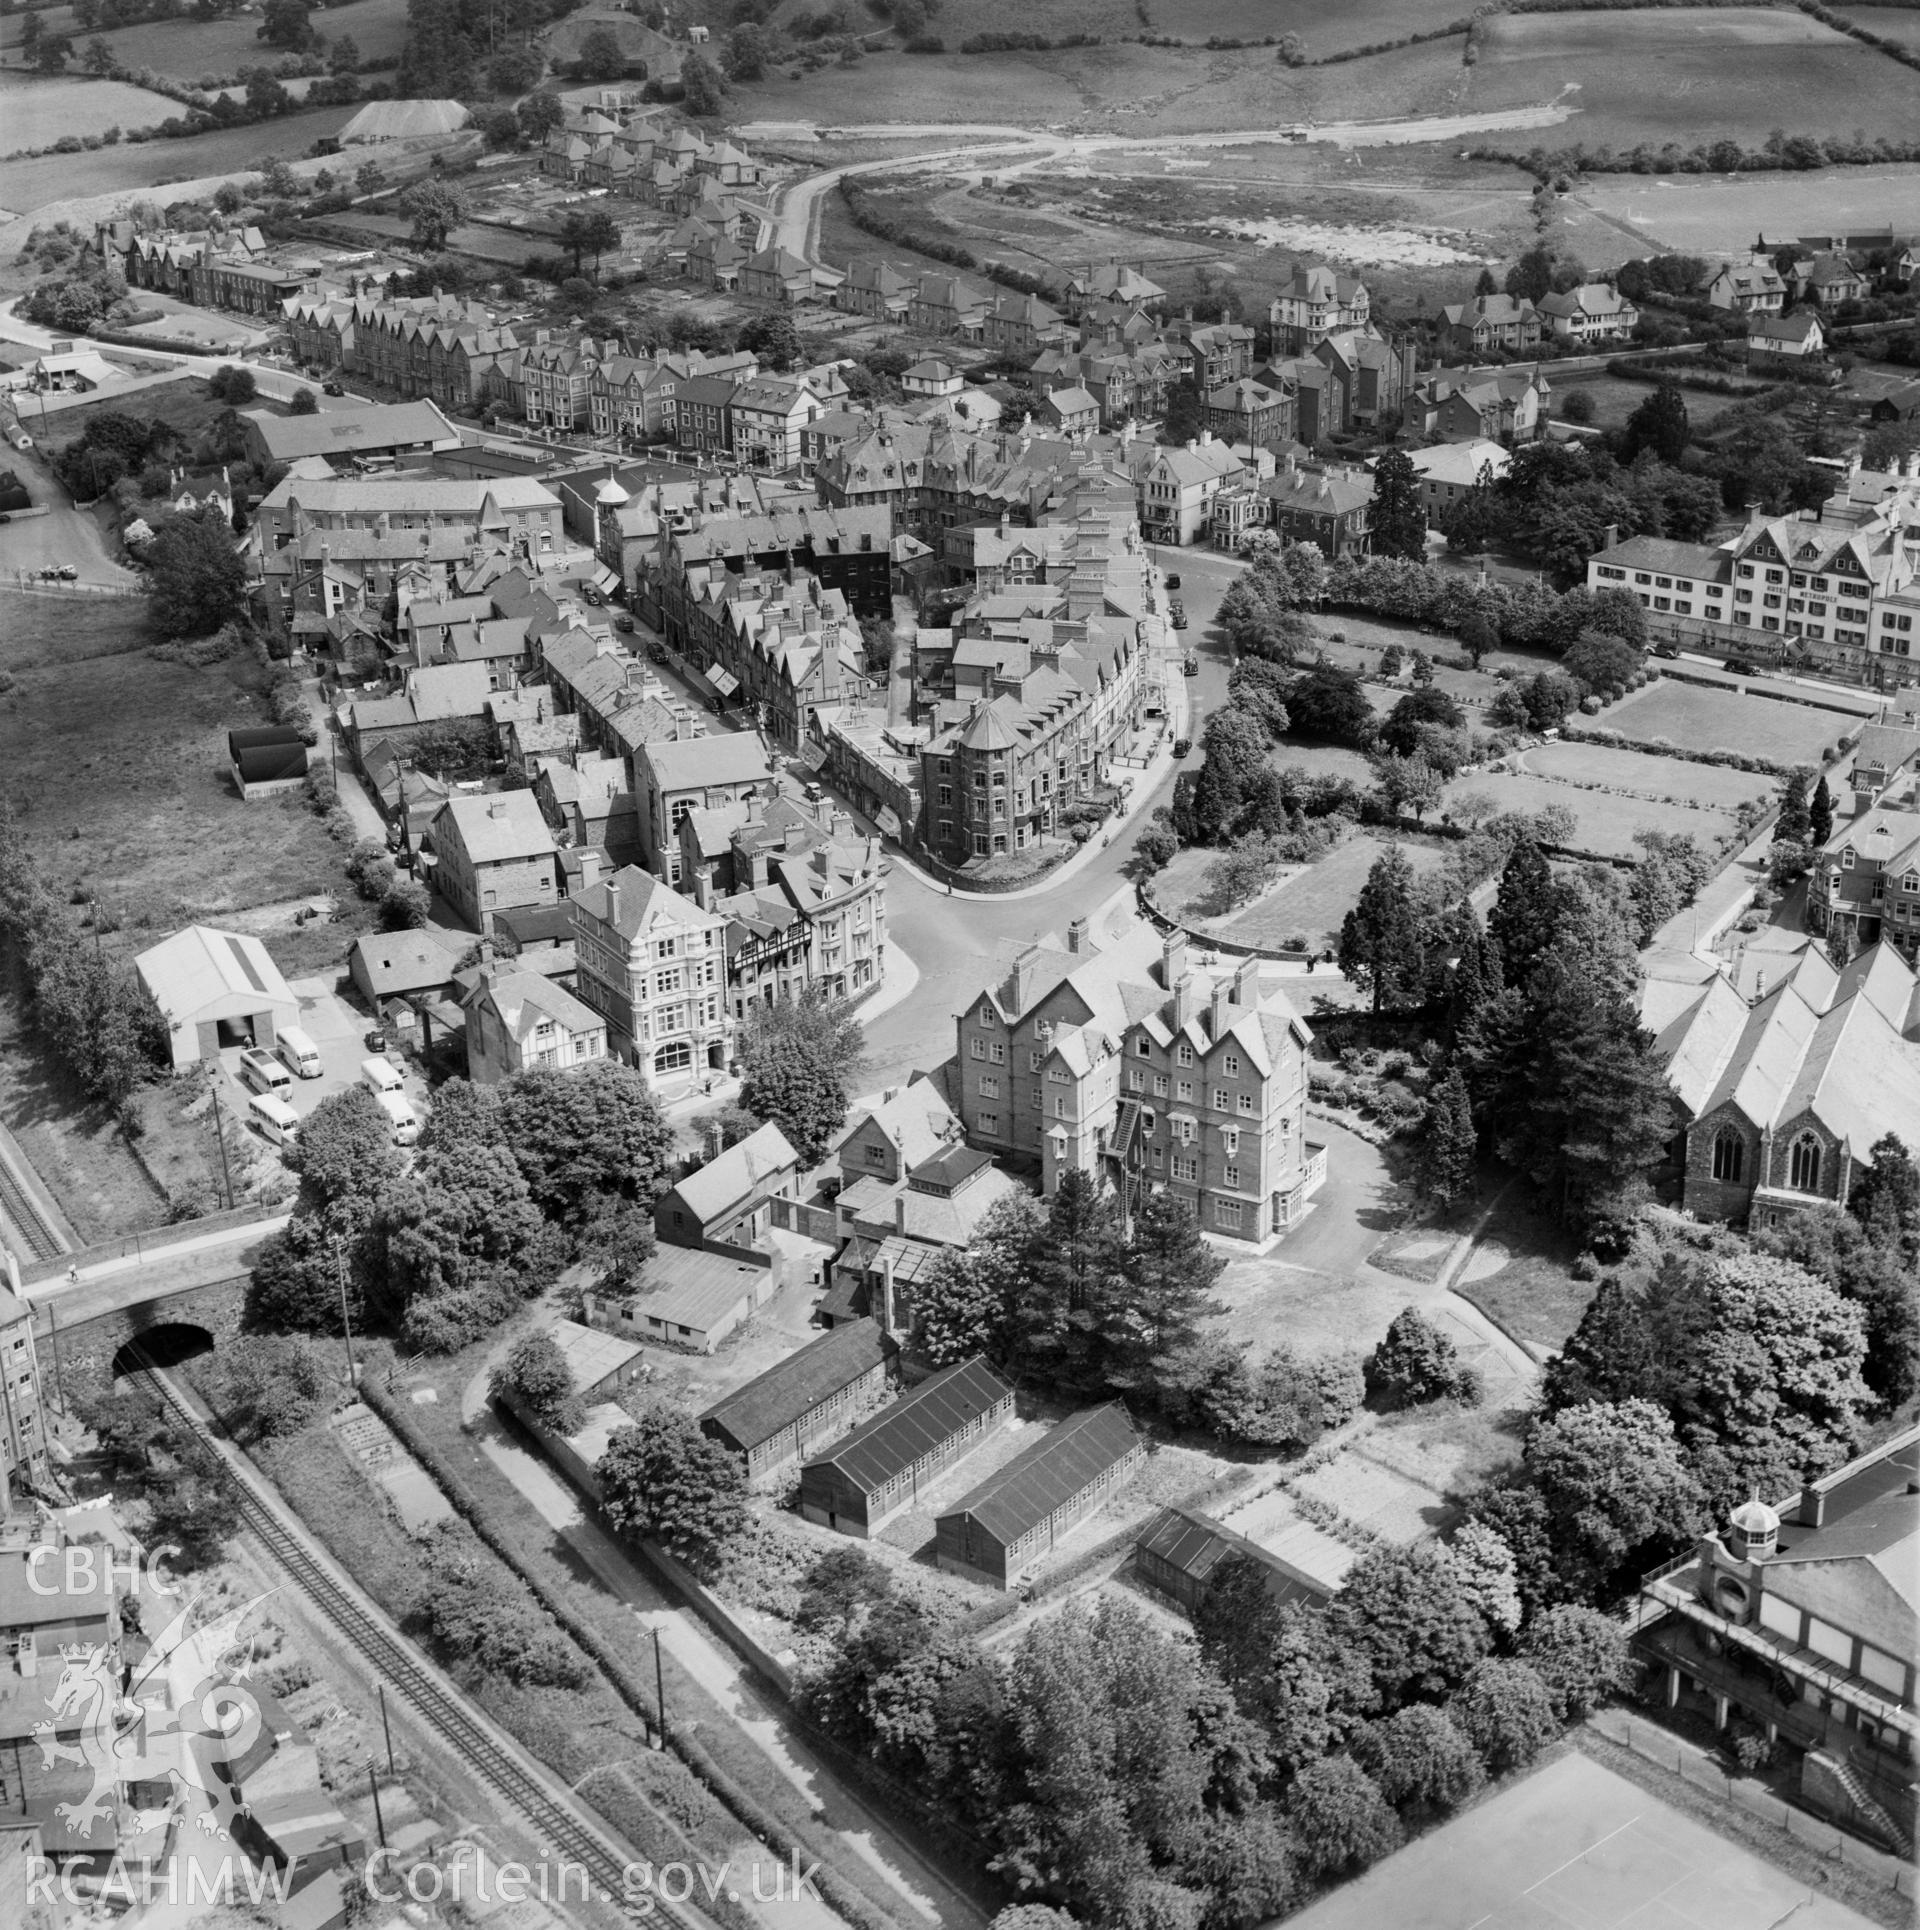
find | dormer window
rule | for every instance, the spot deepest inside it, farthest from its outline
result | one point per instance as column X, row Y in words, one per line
column 1846, row 859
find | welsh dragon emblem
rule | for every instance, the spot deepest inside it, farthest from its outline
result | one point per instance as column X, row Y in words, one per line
column 206, row 1720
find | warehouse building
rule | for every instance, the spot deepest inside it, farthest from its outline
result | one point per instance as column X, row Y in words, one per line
column 1015, row 1516
column 215, row 989
column 1181, row 1552
column 806, row 1399
column 879, row 1470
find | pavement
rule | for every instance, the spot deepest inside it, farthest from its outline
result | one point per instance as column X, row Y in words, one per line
column 163, row 1262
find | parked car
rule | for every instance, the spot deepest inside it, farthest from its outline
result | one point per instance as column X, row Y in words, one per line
column 375, row 1038
column 623, row 623
column 1742, row 667
column 1173, row 579
column 1666, row 650
column 1177, row 615
column 331, row 388
column 1182, row 745
column 1191, row 667
column 592, row 595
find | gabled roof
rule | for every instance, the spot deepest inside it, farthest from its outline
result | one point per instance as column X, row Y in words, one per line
column 738, row 1173
column 496, row 828
column 916, row 1425
column 1050, row 1473
column 687, row 764
column 792, row 1388
column 200, row 966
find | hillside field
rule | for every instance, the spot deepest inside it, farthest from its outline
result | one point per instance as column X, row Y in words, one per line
column 1691, row 74
column 148, row 166
column 36, row 113
column 184, row 48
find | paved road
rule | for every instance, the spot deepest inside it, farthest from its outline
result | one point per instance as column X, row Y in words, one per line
column 169, row 1260
column 957, row 941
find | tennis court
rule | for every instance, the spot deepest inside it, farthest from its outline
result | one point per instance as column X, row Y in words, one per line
column 1576, row 1847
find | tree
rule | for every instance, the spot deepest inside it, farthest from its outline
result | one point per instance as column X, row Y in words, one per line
column 1287, row 1665
column 1400, row 730
column 234, row 386
column 435, row 210
column 286, row 23
column 1382, row 945
column 1063, row 1320
column 52, row 52
column 1397, row 519
column 796, row 1059
column 1531, row 276
column 539, row 115
column 1820, row 814
column 405, row 905
column 965, row 1304
column 1794, row 825
column 1235, row 749
column 661, row 1479
column 197, row 580
column 535, row 1375
column 98, row 58
column 600, row 56
column 343, row 57
column 1578, row 406
column 1331, row 703
column 704, row 89
column 1412, row 1622
column 591, row 1143
column 370, row 177
column 345, row 1156
column 1340, row 1817
column 1507, row 1713
column 1886, row 1198
column 1659, row 424
column 1878, row 1274
column 772, row 340
column 1450, row 1148
column 270, row 1385
column 1617, row 1490
column 1478, row 635
column 1414, row 1363
column 304, row 402
column 1581, row 1657
column 1597, row 661
column 1168, row 1270
column 1419, row 1759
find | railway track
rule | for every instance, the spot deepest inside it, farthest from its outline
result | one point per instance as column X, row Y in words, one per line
column 23, row 1210
column 562, row 1832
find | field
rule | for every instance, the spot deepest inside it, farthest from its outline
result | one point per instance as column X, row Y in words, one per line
column 115, row 764
column 184, row 48
column 1571, row 1847
column 144, row 168
column 1700, row 719
column 36, row 113
column 1890, row 23
column 1615, row 400
column 1603, row 822
column 1699, row 214
column 1690, row 75
column 187, row 405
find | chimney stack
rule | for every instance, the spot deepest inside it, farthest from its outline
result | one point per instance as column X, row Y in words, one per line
column 1077, row 936
column 1246, row 983
column 1173, row 959
column 1183, row 1000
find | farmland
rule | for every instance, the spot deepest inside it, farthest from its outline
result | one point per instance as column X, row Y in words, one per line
column 1690, row 75
column 185, row 48
column 145, row 168
column 36, row 113
column 1702, row 214
column 1701, row 720
column 1890, row 23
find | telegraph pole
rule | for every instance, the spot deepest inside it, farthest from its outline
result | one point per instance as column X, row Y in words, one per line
column 346, row 1325
column 220, row 1128
column 660, row 1688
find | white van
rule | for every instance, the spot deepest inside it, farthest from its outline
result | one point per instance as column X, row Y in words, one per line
column 300, row 1053
column 406, row 1122
column 274, row 1117
column 263, row 1072
column 381, row 1075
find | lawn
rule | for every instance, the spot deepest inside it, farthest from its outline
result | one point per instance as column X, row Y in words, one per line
column 1687, row 75
column 1699, row 719
column 1308, row 903
column 1604, row 822
column 145, row 167
column 1520, row 1276
column 1665, row 780
column 1615, row 400
column 115, row 763
column 188, row 405
column 36, row 113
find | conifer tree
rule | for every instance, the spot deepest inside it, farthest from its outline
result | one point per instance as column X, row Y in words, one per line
column 1450, row 1147
column 1521, row 919
column 1381, row 944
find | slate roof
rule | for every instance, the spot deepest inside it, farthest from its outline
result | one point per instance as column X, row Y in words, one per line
column 691, row 763
column 737, row 1173
column 916, row 1425
column 792, row 1388
column 1199, row 1546
column 1047, row 1475
column 498, row 827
